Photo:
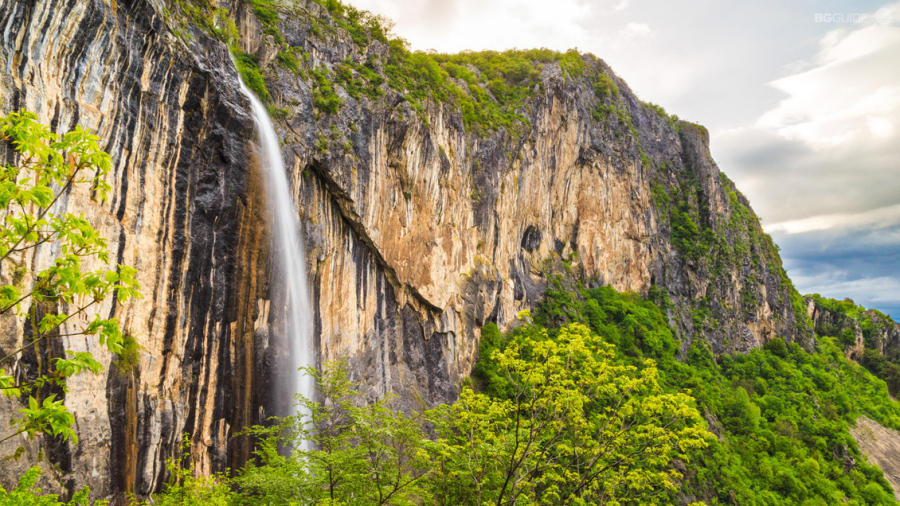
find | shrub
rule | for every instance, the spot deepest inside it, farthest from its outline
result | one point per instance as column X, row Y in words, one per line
column 250, row 73
column 27, row 494
column 604, row 87
column 324, row 97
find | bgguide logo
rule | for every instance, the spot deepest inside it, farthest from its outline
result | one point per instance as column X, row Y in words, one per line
column 883, row 17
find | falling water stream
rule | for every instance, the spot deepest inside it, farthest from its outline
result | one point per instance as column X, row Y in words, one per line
column 288, row 250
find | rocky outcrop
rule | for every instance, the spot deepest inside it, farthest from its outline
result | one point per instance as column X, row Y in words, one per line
column 418, row 229
column 461, row 227
column 883, row 334
column 860, row 328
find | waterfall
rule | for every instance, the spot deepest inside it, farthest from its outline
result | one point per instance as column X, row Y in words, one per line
column 288, row 251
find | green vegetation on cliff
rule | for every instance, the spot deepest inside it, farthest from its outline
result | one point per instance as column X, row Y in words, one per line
column 489, row 88
column 844, row 318
column 781, row 414
column 715, row 240
column 248, row 68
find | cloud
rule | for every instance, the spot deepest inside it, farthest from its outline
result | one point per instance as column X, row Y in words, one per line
column 827, row 153
column 875, row 219
column 846, row 262
column 637, row 30
column 851, row 96
column 821, row 164
column 458, row 25
column 621, row 6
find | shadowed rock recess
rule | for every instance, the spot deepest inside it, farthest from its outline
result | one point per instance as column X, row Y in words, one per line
column 420, row 226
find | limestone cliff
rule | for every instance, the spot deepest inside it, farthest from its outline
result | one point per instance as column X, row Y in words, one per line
column 419, row 227
column 185, row 212
column 860, row 328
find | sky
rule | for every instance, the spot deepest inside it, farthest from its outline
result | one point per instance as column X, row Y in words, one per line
column 802, row 100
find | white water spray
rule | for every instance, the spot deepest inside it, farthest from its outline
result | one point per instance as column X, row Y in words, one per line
column 289, row 250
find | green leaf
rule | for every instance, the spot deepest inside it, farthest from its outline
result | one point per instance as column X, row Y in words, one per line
column 8, row 386
column 80, row 361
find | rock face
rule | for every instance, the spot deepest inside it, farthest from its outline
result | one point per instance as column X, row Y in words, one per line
column 884, row 335
column 185, row 212
column 418, row 230
column 869, row 328
column 881, row 445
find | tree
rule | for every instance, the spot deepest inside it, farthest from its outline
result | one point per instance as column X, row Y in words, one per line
column 576, row 428
column 848, row 337
column 54, row 301
column 186, row 489
column 339, row 451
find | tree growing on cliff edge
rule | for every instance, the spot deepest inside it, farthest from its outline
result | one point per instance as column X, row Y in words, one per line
column 56, row 301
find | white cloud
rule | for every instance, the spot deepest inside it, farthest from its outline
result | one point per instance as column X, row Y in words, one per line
column 881, row 291
column 850, row 97
column 637, row 30
column 875, row 219
column 827, row 153
column 881, row 126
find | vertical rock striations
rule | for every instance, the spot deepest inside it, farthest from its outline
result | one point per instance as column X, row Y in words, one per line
column 185, row 212
column 419, row 227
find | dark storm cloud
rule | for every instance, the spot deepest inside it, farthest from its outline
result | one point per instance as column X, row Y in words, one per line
column 863, row 265
column 790, row 180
